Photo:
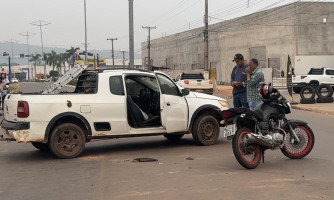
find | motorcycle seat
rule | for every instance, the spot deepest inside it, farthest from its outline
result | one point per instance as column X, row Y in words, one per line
column 239, row 111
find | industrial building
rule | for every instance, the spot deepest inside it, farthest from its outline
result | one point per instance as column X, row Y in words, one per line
column 296, row 29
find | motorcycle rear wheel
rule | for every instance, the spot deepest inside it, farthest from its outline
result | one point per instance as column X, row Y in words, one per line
column 247, row 154
column 294, row 150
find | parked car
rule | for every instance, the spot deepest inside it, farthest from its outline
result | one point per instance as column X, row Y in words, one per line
column 315, row 77
column 111, row 104
column 195, row 82
column 14, row 80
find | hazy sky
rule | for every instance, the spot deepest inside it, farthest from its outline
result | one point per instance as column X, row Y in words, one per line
column 109, row 18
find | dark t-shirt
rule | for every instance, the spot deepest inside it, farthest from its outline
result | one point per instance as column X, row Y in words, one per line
column 239, row 75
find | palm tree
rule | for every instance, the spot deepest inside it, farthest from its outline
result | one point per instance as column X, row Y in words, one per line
column 36, row 60
column 52, row 59
column 61, row 60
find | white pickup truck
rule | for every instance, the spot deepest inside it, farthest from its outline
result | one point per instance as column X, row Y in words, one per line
column 195, row 82
column 315, row 77
column 111, row 104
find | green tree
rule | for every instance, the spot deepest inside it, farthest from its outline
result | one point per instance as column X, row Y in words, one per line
column 54, row 73
column 51, row 59
column 36, row 60
column 61, row 60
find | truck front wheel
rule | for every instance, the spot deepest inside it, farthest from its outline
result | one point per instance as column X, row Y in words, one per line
column 67, row 141
column 205, row 130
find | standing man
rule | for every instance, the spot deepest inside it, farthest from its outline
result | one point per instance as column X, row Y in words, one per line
column 254, row 78
column 238, row 79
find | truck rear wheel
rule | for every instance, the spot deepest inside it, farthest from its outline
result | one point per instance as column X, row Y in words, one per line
column 205, row 130
column 67, row 141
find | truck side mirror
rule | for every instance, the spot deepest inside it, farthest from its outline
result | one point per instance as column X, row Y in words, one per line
column 185, row 92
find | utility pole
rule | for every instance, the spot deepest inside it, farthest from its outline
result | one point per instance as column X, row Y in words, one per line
column 112, row 51
column 123, row 61
column 85, row 34
column 41, row 23
column 206, row 38
column 28, row 35
column 131, row 35
column 149, row 68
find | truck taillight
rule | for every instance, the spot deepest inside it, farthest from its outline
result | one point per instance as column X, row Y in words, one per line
column 22, row 109
column 186, row 81
column 210, row 81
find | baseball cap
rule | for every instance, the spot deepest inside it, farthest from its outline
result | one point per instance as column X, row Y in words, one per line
column 237, row 57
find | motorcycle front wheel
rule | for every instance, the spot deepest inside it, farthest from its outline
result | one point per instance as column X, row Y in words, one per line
column 297, row 150
column 247, row 154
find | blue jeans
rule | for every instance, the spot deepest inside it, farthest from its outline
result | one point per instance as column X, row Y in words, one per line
column 240, row 100
column 253, row 104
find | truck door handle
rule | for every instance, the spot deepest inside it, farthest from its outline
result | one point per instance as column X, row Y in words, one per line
column 168, row 104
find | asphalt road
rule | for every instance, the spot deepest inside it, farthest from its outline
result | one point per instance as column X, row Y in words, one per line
column 106, row 170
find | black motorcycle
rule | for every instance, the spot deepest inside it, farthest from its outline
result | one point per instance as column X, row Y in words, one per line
column 253, row 132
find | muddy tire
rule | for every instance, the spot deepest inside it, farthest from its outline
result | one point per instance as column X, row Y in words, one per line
column 329, row 90
column 297, row 90
column 307, row 101
column 307, row 89
column 41, row 146
column 173, row 137
column 294, row 150
column 325, row 100
column 67, row 141
column 205, row 130
column 247, row 154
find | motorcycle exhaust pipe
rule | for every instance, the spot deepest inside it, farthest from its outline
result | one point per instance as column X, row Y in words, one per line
column 260, row 140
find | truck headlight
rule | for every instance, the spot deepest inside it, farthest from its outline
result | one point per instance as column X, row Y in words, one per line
column 224, row 103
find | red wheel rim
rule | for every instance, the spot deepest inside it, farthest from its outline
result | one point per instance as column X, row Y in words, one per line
column 305, row 147
column 256, row 153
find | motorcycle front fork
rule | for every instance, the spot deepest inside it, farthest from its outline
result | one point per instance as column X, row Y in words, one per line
column 294, row 134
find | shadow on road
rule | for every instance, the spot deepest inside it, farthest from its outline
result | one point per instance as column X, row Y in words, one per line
column 106, row 147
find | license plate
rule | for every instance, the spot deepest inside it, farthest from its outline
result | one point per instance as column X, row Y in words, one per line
column 229, row 130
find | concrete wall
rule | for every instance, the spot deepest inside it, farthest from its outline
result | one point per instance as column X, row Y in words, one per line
column 270, row 36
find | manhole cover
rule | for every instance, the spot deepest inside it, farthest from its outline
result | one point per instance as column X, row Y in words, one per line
column 145, row 160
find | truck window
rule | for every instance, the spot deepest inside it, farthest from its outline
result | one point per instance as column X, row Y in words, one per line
column 87, row 84
column 330, row 72
column 167, row 86
column 316, row 71
column 116, row 85
column 197, row 76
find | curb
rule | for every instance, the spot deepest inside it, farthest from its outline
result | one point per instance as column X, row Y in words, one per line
column 314, row 110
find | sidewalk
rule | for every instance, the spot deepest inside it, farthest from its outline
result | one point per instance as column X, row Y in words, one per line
column 225, row 92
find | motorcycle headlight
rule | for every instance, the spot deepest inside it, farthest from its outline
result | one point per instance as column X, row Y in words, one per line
column 224, row 103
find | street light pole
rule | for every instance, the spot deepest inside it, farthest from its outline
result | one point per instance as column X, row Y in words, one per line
column 131, row 35
column 85, row 33
column 206, row 38
column 28, row 35
column 41, row 23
